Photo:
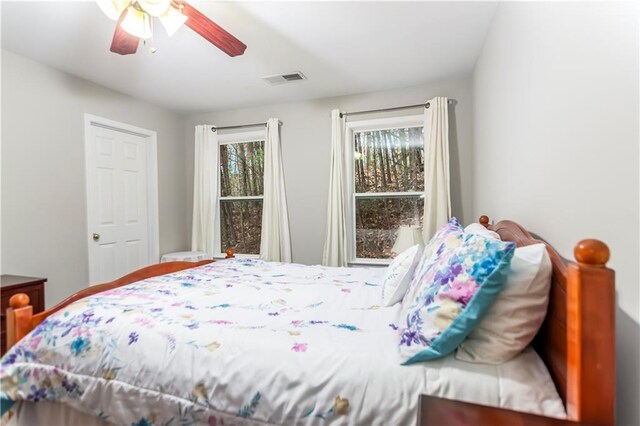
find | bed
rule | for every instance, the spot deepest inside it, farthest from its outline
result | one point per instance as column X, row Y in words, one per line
column 250, row 342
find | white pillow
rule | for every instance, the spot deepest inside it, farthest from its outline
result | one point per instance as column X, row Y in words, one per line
column 517, row 313
column 476, row 228
column 399, row 274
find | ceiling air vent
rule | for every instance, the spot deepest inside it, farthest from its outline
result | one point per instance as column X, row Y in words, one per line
column 284, row 78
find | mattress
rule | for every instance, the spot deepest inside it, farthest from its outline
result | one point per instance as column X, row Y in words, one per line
column 249, row 342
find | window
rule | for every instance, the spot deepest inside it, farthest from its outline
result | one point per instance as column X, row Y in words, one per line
column 241, row 192
column 386, row 183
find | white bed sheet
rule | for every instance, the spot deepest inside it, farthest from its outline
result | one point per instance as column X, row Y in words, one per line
column 250, row 342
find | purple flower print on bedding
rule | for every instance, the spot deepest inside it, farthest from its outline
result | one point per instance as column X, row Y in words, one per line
column 37, row 394
column 72, row 388
column 448, row 274
column 54, row 387
column 87, row 318
column 412, row 334
column 9, row 359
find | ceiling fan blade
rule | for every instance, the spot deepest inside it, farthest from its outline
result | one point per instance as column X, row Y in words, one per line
column 211, row 31
column 123, row 43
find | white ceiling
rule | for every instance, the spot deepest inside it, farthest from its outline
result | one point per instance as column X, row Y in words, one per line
column 342, row 48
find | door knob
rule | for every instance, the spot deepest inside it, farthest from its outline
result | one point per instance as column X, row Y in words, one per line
column 96, row 236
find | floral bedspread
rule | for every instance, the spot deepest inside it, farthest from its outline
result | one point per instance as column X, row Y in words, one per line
column 233, row 342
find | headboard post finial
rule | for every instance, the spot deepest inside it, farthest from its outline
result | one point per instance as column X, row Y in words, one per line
column 19, row 300
column 592, row 253
column 484, row 221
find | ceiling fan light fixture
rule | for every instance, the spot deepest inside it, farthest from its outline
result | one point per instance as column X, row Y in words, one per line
column 137, row 23
column 155, row 7
column 113, row 8
column 172, row 20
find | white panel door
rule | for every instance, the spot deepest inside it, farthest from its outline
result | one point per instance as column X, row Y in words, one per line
column 117, row 203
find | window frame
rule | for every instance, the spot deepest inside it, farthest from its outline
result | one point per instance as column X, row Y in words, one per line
column 230, row 139
column 351, row 128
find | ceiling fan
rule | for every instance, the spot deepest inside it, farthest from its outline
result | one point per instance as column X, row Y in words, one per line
column 135, row 21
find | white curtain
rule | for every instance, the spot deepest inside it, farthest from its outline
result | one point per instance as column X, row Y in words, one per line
column 275, row 241
column 205, row 190
column 437, row 205
column 335, row 243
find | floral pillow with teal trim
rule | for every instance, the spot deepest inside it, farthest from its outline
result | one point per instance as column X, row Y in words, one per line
column 430, row 250
column 458, row 279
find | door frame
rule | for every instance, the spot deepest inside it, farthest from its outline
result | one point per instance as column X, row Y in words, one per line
column 151, row 139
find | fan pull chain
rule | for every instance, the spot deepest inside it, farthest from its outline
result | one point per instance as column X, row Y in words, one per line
column 152, row 48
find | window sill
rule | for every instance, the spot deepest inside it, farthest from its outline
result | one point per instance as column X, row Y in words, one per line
column 370, row 262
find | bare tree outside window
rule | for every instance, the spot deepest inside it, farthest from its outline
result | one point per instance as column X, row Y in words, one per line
column 241, row 191
column 389, row 187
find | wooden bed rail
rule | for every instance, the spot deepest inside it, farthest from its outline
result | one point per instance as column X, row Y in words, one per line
column 20, row 318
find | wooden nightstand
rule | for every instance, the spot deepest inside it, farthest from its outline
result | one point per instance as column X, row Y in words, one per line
column 12, row 284
column 444, row 412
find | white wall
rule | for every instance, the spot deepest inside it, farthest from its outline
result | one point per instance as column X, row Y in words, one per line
column 556, row 131
column 306, row 145
column 43, row 192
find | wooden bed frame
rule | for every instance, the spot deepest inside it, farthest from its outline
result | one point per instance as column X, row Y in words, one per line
column 20, row 317
column 576, row 340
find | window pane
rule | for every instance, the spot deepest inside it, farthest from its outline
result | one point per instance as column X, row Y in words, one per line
column 242, row 169
column 378, row 220
column 240, row 226
column 389, row 160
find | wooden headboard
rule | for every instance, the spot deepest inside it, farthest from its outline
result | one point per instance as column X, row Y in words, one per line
column 577, row 339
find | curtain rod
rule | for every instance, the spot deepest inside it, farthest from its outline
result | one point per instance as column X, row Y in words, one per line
column 426, row 105
column 241, row 126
